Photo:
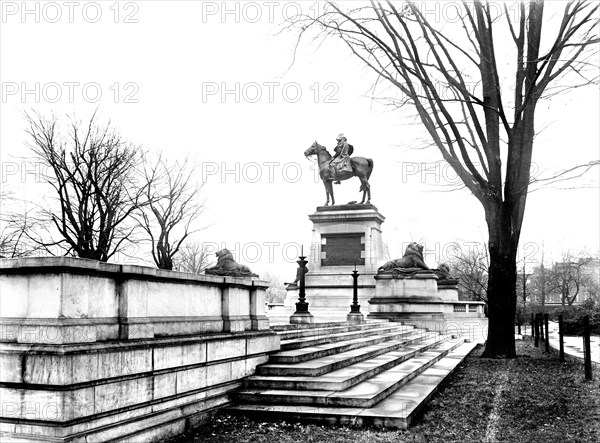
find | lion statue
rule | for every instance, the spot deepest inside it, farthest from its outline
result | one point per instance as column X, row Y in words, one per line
column 227, row 266
column 443, row 271
column 412, row 261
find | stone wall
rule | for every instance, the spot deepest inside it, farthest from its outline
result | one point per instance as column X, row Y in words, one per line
column 92, row 351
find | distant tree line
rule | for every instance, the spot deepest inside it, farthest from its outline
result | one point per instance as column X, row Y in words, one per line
column 571, row 280
column 106, row 195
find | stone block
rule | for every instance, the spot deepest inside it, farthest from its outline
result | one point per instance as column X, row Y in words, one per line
column 259, row 323
column 423, row 285
column 45, row 369
column 252, row 363
column 10, row 403
column 109, row 364
column 167, row 357
column 219, row 373
column 190, row 379
column 42, row 405
column 157, row 433
column 13, row 296
column 238, row 369
column 85, row 366
column 119, row 394
column 79, row 403
column 43, row 296
column 165, row 385
column 222, row 349
column 133, row 330
column 135, row 361
column 11, row 368
column 257, row 344
column 193, row 353
column 179, row 400
column 134, row 428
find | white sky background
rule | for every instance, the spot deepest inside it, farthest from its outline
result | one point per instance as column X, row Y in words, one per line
column 175, row 51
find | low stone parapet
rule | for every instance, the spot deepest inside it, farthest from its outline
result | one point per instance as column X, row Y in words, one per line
column 69, row 300
column 92, row 351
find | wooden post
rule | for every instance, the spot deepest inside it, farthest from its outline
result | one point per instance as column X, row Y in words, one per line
column 547, row 336
column 561, row 341
column 519, row 325
column 541, row 323
column 587, row 348
column 537, row 330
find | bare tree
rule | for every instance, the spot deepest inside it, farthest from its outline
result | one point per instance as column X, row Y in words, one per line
column 14, row 227
column 173, row 206
column 276, row 291
column 540, row 283
column 193, row 257
column 486, row 133
column 567, row 278
column 93, row 173
column 471, row 269
column 524, row 289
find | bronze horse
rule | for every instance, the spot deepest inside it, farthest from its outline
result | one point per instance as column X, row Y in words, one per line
column 361, row 168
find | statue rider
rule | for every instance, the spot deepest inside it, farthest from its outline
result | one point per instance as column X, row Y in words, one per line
column 342, row 155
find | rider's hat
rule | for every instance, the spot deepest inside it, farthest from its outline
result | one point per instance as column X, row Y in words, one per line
column 341, row 136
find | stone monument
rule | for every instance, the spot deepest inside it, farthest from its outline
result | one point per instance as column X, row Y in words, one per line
column 407, row 290
column 344, row 237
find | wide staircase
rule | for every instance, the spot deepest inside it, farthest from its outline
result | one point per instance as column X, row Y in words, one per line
column 376, row 373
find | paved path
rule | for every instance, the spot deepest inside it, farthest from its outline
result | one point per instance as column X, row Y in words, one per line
column 574, row 345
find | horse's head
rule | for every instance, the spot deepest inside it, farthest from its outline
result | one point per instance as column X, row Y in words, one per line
column 314, row 149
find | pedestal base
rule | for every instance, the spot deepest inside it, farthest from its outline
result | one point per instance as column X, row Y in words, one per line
column 417, row 300
column 355, row 317
column 301, row 318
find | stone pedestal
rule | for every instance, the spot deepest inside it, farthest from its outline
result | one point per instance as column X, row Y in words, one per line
column 355, row 317
column 343, row 236
column 422, row 299
column 301, row 318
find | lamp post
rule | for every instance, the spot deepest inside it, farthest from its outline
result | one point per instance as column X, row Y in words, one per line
column 302, row 315
column 355, row 315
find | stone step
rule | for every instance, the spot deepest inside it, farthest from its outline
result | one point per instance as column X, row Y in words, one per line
column 325, row 349
column 323, row 365
column 362, row 395
column 305, row 342
column 328, row 330
column 343, row 378
column 403, row 406
column 396, row 411
column 331, row 324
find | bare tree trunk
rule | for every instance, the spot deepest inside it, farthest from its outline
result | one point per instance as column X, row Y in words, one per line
column 502, row 294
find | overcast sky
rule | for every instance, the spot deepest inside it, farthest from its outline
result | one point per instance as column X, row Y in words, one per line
column 216, row 82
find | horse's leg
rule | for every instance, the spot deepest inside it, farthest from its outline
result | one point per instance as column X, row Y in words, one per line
column 364, row 186
column 326, row 192
column 331, row 192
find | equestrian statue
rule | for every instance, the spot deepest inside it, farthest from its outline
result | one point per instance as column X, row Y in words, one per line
column 342, row 167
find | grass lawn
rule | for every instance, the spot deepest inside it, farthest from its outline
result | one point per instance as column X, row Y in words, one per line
column 531, row 398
